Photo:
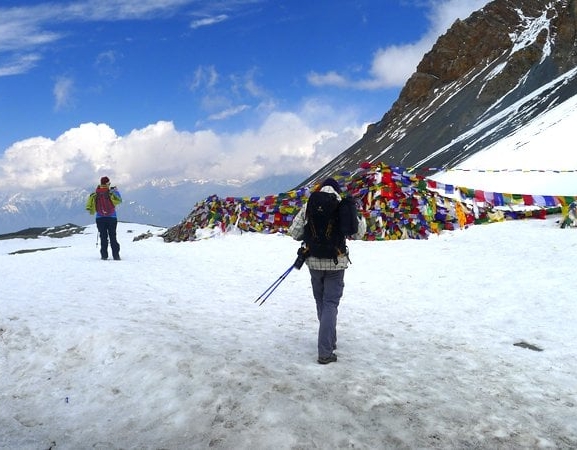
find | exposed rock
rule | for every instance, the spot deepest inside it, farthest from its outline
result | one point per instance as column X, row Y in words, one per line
column 528, row 346
column 33, row 250
column 56, row 232
column 142, row 236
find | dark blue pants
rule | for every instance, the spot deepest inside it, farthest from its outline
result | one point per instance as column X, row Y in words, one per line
column 328, row 286
column 107, row 229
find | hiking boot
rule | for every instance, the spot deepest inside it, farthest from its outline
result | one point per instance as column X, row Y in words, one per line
column 104, row 258
column 327, row 359
column 117, row 258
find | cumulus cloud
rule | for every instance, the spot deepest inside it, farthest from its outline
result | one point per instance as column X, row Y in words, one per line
column 392, row 66
column 40, row 162
column 284, row 143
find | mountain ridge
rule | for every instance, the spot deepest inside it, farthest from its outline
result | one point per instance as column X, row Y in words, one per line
column 481, row 66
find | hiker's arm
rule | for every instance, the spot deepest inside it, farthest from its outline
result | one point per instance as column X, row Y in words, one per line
column 116, row 197
column 297, row 227
column 362, row 228
column 91, row 203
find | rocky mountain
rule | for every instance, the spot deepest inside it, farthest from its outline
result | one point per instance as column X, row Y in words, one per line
column 484, row 79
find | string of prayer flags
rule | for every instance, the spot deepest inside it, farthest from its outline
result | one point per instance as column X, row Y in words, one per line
column 395, row 202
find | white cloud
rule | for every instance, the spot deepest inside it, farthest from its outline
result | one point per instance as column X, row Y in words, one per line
column 392, row 66
column 63, row 89
column 331, row 78
column 19, row 64
column 23, row 29
column 204, row 77
column 225, row 114
column 207, row 21
column 225, row 97
column 106, row 63
column 39, row 162
column 107, row 57
column 246, row 84
column 284, row 143
column 443, row 14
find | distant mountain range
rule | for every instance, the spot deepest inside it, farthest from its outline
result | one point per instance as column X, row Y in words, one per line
column 488, row 76
column 155, row 202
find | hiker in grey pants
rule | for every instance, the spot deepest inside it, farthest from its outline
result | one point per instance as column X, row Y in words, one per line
column 328, row 288
column 327, row 279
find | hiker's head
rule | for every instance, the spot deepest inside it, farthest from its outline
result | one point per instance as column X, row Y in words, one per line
column 332, row 183
column 104, row 180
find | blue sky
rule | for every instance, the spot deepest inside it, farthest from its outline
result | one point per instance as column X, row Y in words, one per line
column 228, row 89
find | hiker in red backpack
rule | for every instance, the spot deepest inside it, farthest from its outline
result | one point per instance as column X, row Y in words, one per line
column 324, row 229
column 103, row 202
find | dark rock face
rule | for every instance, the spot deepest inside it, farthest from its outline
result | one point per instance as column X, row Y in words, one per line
column 459, row 101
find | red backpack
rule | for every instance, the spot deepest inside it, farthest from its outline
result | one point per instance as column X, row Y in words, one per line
column 104, row 205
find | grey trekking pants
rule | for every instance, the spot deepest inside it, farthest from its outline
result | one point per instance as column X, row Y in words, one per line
column 328, row 288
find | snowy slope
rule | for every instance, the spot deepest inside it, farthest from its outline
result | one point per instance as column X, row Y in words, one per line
column 167, row 349
column 537, row 159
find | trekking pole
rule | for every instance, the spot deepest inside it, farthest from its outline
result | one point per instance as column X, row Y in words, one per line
column 97, row 238
column 273, row 286
column 302, row 255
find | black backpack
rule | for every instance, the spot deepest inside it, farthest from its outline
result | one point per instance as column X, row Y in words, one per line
column 348, row 220
column 324, row 234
